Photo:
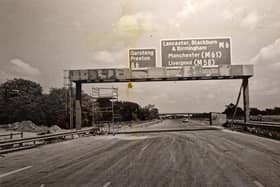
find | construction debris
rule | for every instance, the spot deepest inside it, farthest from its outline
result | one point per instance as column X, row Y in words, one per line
column 54, row 129
column 27, row 126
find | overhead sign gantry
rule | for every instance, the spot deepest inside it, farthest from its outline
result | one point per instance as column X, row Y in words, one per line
column 207, row 60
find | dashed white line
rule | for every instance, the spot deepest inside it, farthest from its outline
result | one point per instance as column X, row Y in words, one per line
column 107, row 184
column 258, row 184
column 15, row 171
column 145, row 147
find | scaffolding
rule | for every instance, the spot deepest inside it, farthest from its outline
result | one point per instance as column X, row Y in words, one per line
column 104, row 113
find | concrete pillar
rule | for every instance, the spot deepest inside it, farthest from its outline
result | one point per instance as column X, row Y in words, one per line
column 78, row 115
column 78, row 104
column 246, row 105
column 71, row 108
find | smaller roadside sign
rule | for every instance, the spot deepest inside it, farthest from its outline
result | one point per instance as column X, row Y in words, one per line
column 141, row 58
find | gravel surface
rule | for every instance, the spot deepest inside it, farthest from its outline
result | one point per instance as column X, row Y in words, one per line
column 195, row 158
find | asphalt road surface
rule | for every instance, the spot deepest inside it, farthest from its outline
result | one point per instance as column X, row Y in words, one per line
column 192, row 158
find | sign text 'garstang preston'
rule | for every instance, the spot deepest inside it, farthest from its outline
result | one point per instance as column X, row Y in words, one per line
column 140, row 58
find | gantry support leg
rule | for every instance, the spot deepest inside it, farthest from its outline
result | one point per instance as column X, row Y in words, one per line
column 245, row 83
column 78, row 102
column 71, row 108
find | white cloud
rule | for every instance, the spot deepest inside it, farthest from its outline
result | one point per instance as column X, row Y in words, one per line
column 4, row 76
column 129, row 28
column 107, row 58
column 189, row 8
column 276, row 65
column 216, row 12
column 17, row 68
column 233, row 15
column 266, row 82
column 251, row 20
column 103, row 57
column 268, row 55
column 21, row 67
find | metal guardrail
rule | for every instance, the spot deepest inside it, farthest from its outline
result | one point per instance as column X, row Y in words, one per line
column 265, row 125
column 10, row 135
column 265, row 122
column 266, row 129
column 18, row 144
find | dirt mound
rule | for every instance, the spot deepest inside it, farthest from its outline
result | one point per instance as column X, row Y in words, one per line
column 26, row 126
column 54, row 129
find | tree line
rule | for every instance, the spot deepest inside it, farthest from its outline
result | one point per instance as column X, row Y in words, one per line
column 229, row 110
column 22, row 100
column 124, row 111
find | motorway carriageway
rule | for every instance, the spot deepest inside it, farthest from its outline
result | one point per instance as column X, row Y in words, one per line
column 191, row 158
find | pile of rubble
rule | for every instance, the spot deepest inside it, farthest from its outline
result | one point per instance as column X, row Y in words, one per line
column 25, row 126
column 54, row 129
column 29, row 126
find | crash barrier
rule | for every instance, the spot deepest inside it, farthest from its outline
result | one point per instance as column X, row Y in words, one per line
column 25, row 143
column 266, row 129
column 167, row 130
column 12, row 135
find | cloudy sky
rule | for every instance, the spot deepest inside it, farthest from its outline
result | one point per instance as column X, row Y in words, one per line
column 39, row 39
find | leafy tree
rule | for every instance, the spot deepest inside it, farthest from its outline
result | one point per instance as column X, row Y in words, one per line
column 54, row 109
column 20, row 100
column 230, row 110
column 149, row 112
column 128, row 110
column 267, row 111
column 87, row 107
column 255, row 111
column 23, row 100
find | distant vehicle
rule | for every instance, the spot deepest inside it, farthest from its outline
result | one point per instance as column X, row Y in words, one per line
column 185, row 120
column 259, row 117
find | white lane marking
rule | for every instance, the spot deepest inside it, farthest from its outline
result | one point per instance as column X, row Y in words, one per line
column 42, row 185
column 107, row 184
column 123, row 137
column 258, row 184
column 145, row 147
column 15, row 171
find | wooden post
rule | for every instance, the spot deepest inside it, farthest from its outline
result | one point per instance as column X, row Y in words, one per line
column 245, row 83
column 236, row 104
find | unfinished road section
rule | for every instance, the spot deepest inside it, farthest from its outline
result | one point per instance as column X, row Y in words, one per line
column 190, row 158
